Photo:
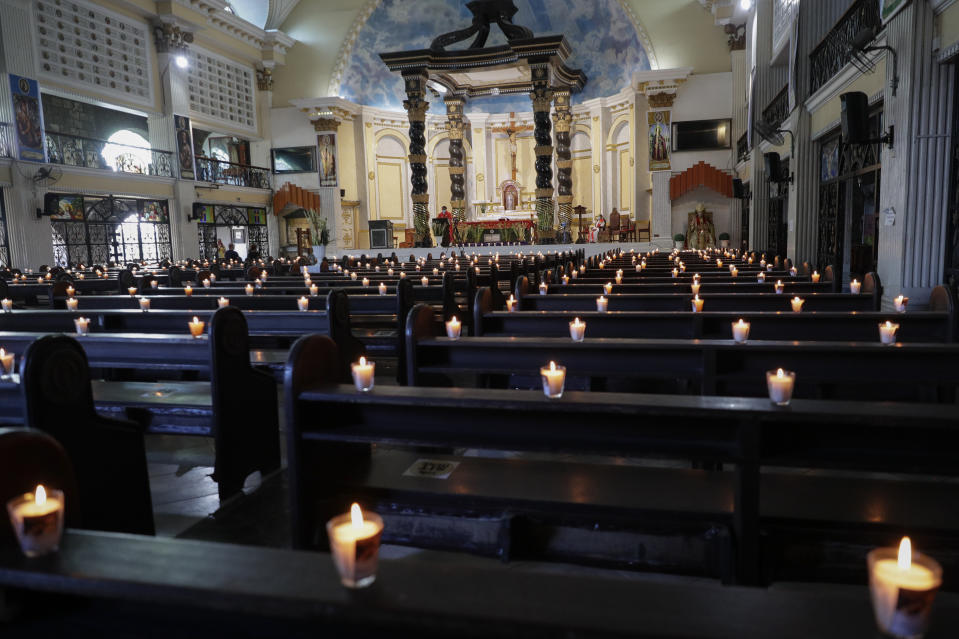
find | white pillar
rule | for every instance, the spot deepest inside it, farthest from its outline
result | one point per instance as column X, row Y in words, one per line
column 662, row 233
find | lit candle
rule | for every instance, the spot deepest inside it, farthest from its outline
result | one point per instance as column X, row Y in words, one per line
column 697, row 304
column 436, row 271
column 249, row 289
column 154, row 284
column 82, row 276
column 793, row 272
column 377, row 269
column 257, row 283
column 608, row 287
column 355, row 546
column 762, row 262
column 71, row 291
column 132, row 290
column 7, row 360
column 779, row 287
column 750, row 260
column 188, row 290
column 222, row 302
column 719, row 263
column 425, row 281
column 887, row 332
column 854, row 287
column 303, row 304
column 543, row 288
column 453, row 328
column 902, row 588
column 740, row 331
column 814, row 277
column 575, row 274
column 797, row 303
column 353, row 275
column 565, row 280
column 511, row 304
column 734, row 271
column 72, row 303
column 900, row 303
column 780, row 385
column 382, row 288
column 196, row 327
column 694, row 287
column 207, row 282
column 582, row 268
column 363, row 374
column 577, row 330
column 144, row 304
column 602, row 304
column 37, row 520
column 82, row 325
column 761, row 277
column 47, row 276
column 554, row 379
column 619, row 278
column 366, row 281
column 675, row 272
column 389, row 271
column 639, row 267
column 769, row 267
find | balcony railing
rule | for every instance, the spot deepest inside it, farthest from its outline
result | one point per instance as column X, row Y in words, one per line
column 75, row 150
column 6, row 140
column 833, row 52
column 784, row 11
column 777, row 110
column 221, row 172
column 742, row 148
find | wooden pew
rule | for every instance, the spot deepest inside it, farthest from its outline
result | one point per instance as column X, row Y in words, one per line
column 330, row 427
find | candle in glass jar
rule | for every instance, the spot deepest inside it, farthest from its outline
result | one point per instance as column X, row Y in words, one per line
column 132, row 290
column 719, row 263
column 425, row 281
column 554, row 379
column 355, row 546
column 577, row 330
column 37, row 520
column 814, row 277
column 779, row 287
column 511, row 304
column 740, row 331
column 761, row 277
column 675, row 272
column 303, row 304
column 887, row 332
column 363, row 374
column 734, row 272
column 902, row 589
column 854, row 287
column 565, row 280
column 900, row 303
column 382, row 288
column 780, row 384
column 575, row 274
column 454, row 328
column 82, row 325
column 6, row 359
column 71, row 291
column 188, row 290
column 543, row 288
column 436, row 271
column 608, row 287
column 797, row 303
column 694, row 287
column 366, row 281
column 72, row 303
column 144, row 304
column 154, row 284
column 602, row 304
column 697, row 304
column 249, row 289
column 196, row 327
column 353, row 275
column 222, row 302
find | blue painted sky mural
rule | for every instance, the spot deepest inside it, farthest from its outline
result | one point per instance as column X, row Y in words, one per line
column 602, row 37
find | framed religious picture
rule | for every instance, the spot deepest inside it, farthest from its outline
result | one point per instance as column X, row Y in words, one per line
column 239, row 235
column 27, row 119
column 326, row 152
column 658, row 140
column 184, row 146
column 889, row 8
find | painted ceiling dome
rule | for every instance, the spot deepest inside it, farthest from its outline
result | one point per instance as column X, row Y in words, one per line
column 606, row 44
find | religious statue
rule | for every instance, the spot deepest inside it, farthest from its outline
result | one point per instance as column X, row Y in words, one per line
column 509, row 198
column 700, row 232
column 327, row 161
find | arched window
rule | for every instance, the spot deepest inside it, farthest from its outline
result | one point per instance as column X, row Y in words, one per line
column 128, row 152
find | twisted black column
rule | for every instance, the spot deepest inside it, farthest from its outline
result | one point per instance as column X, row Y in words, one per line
column 454, row 113
column 416, row 107
column 564, row 163
column 541, row 96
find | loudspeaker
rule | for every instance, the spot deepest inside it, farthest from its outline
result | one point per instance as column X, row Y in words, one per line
column 774, row 169
column 739, row 191
column 855, row 117
column 342, row 192
column 381, row 234
column 51, row 204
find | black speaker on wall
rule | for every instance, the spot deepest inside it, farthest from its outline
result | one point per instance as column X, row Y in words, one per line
column 773, row 166
column 855, row 117
column 739, row 190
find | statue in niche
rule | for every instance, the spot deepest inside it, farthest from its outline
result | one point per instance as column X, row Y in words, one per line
column 700, row 231
column 510, row 197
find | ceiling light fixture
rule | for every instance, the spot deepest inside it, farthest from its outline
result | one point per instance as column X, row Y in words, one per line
column 181, row 61
column 745, row 5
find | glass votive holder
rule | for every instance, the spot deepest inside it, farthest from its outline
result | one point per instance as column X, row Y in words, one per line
column 554, row 380
column 196, row 327
column 577, row 330
column 454, row 328
column 741, row 331
column 144, row 304
column 780, row 384
column 82, row 325
column 37, row 520
column 363, row 373
column 902, row 587
column 7, row 305
column 900, row 303
column 72, row 303
column 222, row 302
column 887, row 332
column 355, row 546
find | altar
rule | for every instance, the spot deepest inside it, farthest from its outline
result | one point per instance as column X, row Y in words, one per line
column 495, row 231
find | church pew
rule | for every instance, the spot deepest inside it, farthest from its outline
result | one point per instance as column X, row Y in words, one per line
column 837, row 302
column 103, row 581
column 330, row 426
column 915, row 326
column 830, row 369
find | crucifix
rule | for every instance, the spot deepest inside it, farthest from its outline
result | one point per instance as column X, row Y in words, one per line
column 511, row 129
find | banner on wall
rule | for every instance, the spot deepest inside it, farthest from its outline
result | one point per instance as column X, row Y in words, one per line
column 27, row 119
column 326, row 142
column 184, row 146
column 658, row 140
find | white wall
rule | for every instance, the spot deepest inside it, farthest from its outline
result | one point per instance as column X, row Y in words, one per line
column 705, row 97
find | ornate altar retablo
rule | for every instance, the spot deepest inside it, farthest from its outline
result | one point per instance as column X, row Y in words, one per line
column 700, row 231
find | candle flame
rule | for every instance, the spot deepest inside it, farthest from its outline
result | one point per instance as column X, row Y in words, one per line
column 575, row 323
column 362, row 361
column 888, row 324
column 552, row 365
column 356, row 516
column 196, row 320
column 905, row 554
column 741, row 322
column 453, row 320
column 40, row 497
column 780, row 373
column 797, row 299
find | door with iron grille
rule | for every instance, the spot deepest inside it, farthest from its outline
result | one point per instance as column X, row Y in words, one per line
column 215, row 217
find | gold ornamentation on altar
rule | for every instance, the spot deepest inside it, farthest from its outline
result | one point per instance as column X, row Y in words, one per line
column 325, row 124
column 264, row 79
column 661, row 100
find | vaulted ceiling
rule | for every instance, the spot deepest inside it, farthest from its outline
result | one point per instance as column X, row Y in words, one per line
column 675, row 33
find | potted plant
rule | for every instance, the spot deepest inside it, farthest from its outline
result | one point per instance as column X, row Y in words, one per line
column 319, row 236
column 724, row 240
column 679, row 240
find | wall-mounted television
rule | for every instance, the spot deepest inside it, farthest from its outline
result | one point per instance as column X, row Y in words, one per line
column 702, row 135
column 294, row 159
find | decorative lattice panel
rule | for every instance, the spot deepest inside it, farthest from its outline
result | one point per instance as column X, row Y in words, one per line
column 86, row 46
column 221, row 90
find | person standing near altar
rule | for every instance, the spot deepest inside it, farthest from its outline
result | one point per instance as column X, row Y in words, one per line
column 446, row 214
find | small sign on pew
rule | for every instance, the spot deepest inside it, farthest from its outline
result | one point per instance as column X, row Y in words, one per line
column 432, row 468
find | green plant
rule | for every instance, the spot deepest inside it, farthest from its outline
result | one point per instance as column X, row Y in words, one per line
column 319, row 234
column 679, row 237
column 724, row 236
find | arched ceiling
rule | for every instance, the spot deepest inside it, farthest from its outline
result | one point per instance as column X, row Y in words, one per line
column 674, row 33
